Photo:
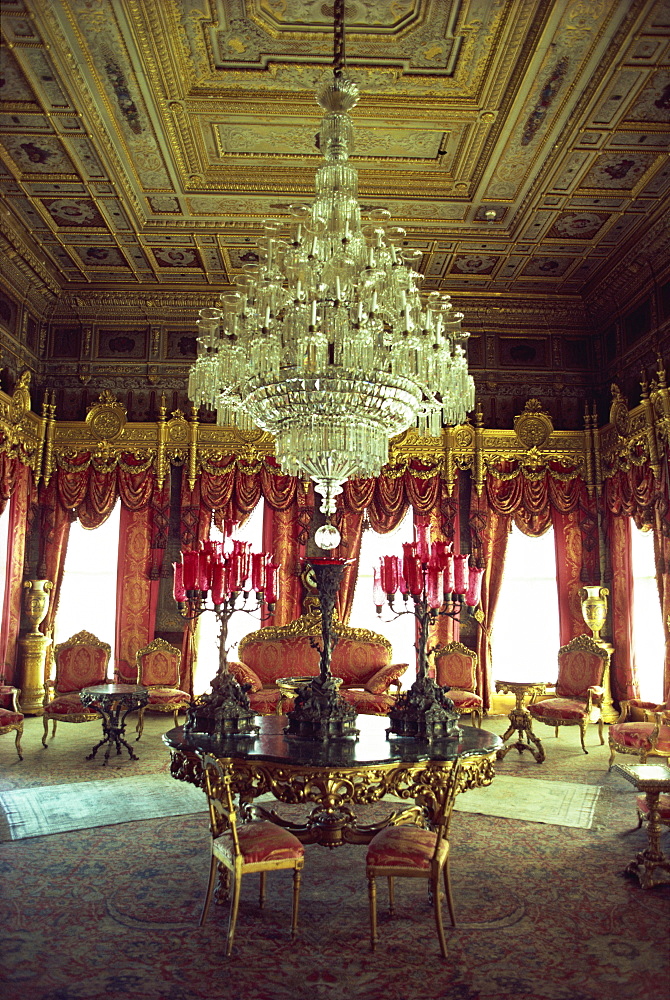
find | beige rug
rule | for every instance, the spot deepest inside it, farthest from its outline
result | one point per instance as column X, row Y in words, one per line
column 47, row 809
column 534, row 800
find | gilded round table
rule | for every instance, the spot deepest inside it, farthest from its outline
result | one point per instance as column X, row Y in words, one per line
column 334, row 776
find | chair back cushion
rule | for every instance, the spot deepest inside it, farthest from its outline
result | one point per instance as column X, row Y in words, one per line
column 455, row 665
column 581, row 665
column 158, row 664
column 80, row 662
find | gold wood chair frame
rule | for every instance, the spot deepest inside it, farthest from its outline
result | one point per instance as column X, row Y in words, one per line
column 174, row 705
column 227, row 848
column 10, row 695
column 393, row 843
column 82, row 638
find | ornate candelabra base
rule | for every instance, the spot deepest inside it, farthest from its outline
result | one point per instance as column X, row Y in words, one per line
column 224, row 713
column 424, row 712
column 321, row 713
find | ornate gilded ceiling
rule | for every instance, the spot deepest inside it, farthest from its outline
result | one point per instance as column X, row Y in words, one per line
column 142, row 142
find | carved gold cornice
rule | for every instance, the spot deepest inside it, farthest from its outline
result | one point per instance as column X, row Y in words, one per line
column 22, row 433
column 533, row 449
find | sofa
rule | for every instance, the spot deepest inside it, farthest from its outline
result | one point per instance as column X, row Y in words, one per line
column 360, row 658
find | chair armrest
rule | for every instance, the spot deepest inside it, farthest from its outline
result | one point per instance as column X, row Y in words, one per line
column 9, row 697
column 595, row 696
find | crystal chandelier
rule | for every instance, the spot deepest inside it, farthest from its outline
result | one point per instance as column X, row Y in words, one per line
column 326, row 343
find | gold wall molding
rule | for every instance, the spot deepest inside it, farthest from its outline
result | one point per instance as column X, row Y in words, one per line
column 636, row 437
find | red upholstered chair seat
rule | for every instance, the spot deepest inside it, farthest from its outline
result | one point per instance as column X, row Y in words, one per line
column 259, row 841
column 402, row 847
column 638, row 735
column 69, row 704
column 464, row 701
column 164, row 696
column 10, row 718
column 559, row 708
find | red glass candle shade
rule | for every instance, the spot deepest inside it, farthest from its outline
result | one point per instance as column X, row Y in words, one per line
column 460, row 574
column 178, row 589
column 474, row 592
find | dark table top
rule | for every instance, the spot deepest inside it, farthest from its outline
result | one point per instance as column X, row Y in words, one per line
column 371, row 748
column 115, row 690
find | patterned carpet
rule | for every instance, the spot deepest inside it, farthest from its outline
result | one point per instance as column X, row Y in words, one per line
column 543, row 911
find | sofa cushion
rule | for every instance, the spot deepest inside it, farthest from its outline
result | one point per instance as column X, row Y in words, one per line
column 264, row 702
column 245, row 675
column 380, row 681
column 367, row 703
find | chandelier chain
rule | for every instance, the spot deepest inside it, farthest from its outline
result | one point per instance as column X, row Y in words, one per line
column 339, row 56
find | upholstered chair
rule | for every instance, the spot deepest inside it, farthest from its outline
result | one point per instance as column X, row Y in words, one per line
column 11, row 717
column 456, row 667
column 583, row 676
column 256, row 846
column 408, row 851
column 81, row 661
column 648, row 738
column 158, row 670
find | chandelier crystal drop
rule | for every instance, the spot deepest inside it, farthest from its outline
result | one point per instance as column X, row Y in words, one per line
column 326, row 343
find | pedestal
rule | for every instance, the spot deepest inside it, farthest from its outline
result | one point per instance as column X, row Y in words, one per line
column 33, row 648
column 608, row 711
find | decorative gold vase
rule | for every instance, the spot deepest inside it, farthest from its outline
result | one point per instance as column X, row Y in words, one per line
column 594, row 608
column 36, row 601
column 33, row 646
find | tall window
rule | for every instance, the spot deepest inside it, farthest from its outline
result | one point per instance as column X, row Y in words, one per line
column 399, row 632
column 240, row 624
column 88, row 592
column 4, row 553
column 648, row 638
column 525, row 637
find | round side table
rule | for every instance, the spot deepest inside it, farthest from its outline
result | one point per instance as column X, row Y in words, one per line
column 520, row 719
column 113, row 702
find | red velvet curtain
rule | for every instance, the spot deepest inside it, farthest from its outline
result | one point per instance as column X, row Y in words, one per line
column 136, row 592
column 624, row 681
column 16, row 486
column 493, row 531
column 662, row 560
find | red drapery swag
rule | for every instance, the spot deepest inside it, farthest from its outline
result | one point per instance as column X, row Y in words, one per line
column 17, row 488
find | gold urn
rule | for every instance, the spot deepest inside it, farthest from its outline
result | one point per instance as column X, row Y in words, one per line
column 34, row 646
column 36, row 601
column 594, row 608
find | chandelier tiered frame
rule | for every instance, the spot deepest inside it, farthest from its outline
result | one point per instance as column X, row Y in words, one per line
column 326, row 343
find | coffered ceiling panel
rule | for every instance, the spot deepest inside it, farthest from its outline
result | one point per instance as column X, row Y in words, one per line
column 522, row 144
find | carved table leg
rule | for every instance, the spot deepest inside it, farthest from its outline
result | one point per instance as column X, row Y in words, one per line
column 651, row 866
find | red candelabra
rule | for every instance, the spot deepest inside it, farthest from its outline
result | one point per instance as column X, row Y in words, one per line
column 439, row 583
column 224, row 578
